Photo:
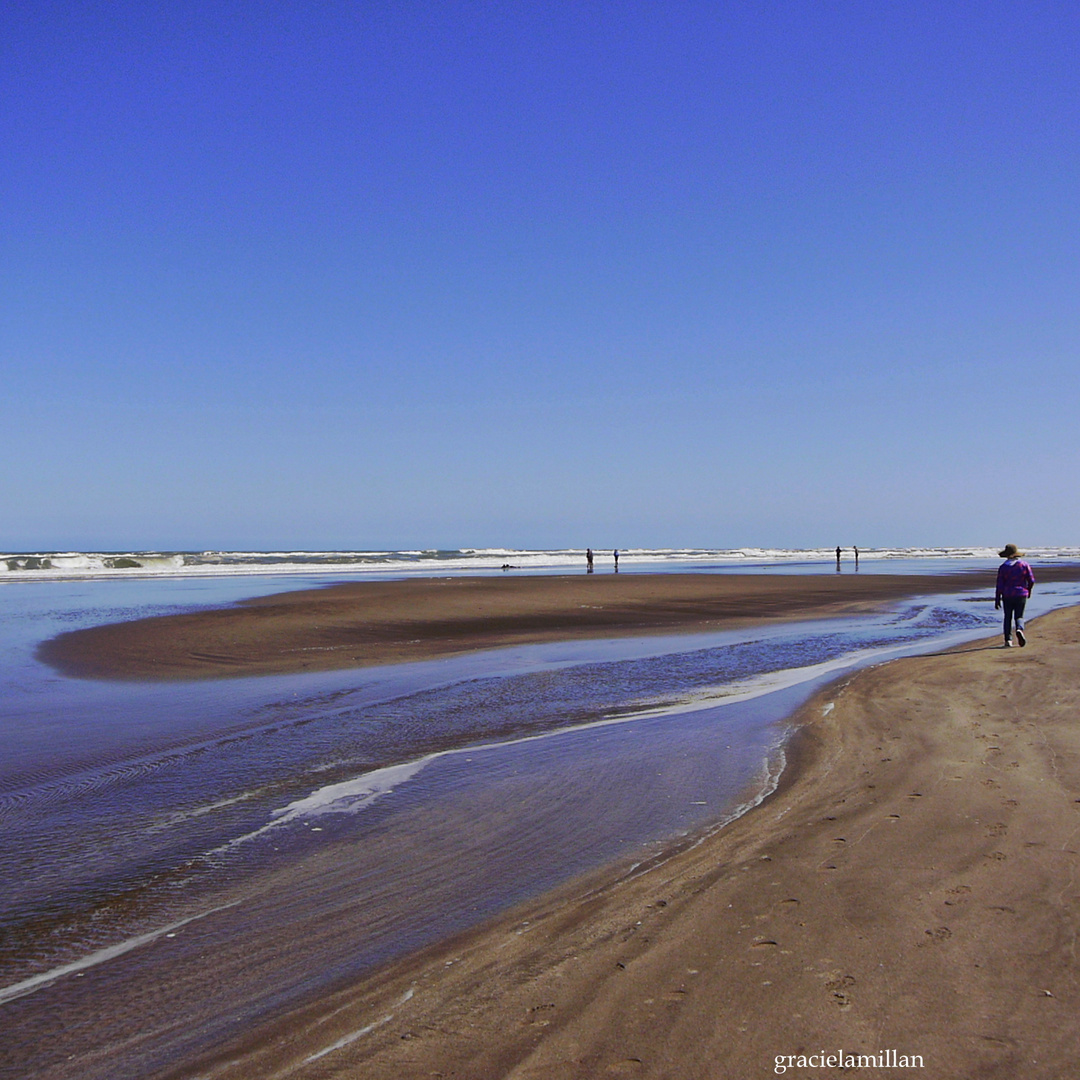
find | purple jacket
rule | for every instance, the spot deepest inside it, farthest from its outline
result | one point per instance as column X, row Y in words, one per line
column 1014, row 579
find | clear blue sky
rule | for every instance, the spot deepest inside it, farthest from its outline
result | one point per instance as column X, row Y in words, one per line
column 393, row 274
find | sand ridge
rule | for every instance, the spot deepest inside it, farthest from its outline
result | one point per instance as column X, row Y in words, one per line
column 379, row 622
column 913, row 886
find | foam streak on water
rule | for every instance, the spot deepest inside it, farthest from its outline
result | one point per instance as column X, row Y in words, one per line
column 28, row 986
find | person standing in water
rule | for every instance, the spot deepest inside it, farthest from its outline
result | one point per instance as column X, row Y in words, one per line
column 837, row 556
column 1014, row 584
column 616, row 554
column 856, row 558
column 588, row 560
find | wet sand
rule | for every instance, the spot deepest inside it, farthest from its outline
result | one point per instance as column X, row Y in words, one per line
column 364, row 623
column 912, row 887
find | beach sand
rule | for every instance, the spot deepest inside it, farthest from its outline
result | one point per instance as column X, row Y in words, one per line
column 912, row 886
column 381, row 622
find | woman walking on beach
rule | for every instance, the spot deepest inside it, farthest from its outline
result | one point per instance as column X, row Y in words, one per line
column 1014, row 584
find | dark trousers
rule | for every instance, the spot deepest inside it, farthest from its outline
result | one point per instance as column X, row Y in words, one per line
column 1014, row 612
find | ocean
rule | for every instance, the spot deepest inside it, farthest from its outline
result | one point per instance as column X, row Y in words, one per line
column 180, row 861
column 49, row 565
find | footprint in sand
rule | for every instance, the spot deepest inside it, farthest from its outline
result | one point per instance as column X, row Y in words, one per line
column 839, row 987
column 840, row 982
column 626, row 1067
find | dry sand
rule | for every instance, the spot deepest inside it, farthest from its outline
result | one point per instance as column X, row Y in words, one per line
column 382, row 622
column 912, row 887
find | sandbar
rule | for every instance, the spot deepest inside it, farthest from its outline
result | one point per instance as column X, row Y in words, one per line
column 381, row 622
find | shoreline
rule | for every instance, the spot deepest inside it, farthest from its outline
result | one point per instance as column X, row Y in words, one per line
column 911, row 884
column 360, row 624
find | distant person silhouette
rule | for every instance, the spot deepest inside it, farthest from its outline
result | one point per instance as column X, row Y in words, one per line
column 838, row 558
column 856, row 558
column 616, row 554
column 1014, row 584
column 588, row 559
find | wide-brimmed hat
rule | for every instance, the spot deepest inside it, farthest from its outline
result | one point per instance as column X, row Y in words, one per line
column 1011, row 552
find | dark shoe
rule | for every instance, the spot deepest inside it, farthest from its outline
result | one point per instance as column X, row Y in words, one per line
column 1020, row 637
column 1008, row 644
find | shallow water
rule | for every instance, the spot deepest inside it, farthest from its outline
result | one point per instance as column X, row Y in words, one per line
column 178, row 860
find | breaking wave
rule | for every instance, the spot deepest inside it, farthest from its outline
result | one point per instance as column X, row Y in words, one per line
column 90, row 564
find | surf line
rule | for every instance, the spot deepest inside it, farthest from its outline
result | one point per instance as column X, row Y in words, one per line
column 36, row 982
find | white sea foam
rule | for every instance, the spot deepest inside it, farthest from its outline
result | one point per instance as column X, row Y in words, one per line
column 350, row 796
column 772, row 681
column 36, row 982
column 361, row 1032
column 15, row 566
column 346, row 797
column 367, row 1029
